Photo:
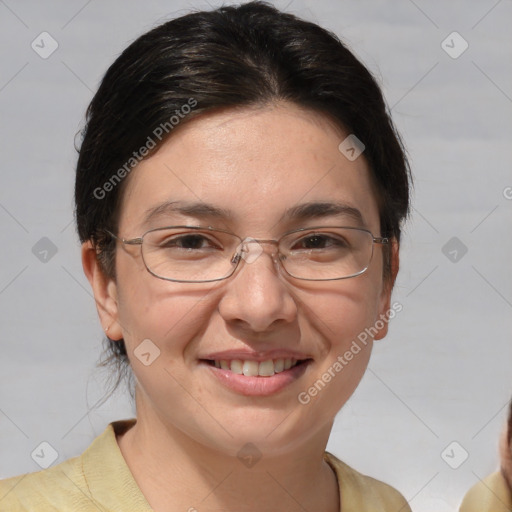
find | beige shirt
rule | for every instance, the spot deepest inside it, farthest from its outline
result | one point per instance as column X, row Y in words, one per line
column 492, row 494
column 99, row 480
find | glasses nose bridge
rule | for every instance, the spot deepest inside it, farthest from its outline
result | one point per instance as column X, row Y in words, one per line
column 261, row 241
column 251, row 248
column 270, row 241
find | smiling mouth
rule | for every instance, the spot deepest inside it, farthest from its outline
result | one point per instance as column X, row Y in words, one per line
column 251, row 368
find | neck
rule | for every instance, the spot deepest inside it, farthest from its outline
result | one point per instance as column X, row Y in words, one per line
column 176, row 473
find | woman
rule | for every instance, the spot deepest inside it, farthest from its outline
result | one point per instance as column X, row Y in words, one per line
column 239, row 195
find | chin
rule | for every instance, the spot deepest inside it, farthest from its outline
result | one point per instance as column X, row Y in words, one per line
column 268, row 434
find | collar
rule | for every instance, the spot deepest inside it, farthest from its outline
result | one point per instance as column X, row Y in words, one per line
column 105, row 469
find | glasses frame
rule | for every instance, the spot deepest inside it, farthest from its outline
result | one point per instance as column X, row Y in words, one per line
column 237, row 257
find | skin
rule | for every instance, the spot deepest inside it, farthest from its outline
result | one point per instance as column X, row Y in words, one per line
column 183, row 449
column 506, row 451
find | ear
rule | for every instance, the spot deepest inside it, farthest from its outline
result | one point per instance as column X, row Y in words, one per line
column 105, row 291
column 385, row 296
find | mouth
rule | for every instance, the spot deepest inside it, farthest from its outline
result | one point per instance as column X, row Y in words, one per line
column 259, row 376
column 251, row 368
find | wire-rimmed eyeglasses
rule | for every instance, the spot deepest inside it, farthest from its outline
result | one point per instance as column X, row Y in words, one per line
column 198, row 254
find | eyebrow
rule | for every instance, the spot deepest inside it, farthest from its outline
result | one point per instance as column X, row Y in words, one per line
column 301, row 212
column 199, row 210
column 317, row 210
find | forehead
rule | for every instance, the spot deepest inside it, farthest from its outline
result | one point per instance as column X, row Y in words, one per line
column 257, row 167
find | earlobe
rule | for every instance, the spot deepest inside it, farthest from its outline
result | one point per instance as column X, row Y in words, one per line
column 381, row 323
column 104, row 289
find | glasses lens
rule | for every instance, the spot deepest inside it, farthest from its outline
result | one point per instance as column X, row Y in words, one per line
column 192, row 254
column 189, row 254
column 326, row 253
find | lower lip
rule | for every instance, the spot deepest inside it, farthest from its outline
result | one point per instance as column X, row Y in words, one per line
column 258, row 386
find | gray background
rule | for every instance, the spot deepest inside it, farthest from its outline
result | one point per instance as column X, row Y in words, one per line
column 442, row 375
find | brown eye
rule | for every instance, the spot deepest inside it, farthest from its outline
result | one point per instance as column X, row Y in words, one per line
column 192, row 241
column 320, row 241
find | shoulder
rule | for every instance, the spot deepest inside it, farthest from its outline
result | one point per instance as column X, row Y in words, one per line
column 492, row 494
column 363, row 493
column 52, row 489
column 99, row 479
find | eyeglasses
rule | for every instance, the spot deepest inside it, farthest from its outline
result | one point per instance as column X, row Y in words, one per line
column 195, row 254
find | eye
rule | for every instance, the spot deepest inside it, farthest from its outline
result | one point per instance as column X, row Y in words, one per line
column 318, row 241
column 188, row 241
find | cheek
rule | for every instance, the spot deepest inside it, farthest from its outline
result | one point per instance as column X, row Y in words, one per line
column 345, row 310
column 343, row 319
column 169, row 314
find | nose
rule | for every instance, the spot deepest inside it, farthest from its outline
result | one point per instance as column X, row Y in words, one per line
column 257, row 296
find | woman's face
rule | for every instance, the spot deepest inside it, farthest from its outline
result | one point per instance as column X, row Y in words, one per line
column 253, row 167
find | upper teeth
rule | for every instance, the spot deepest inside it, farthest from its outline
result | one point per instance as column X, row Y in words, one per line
column 254, row 368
